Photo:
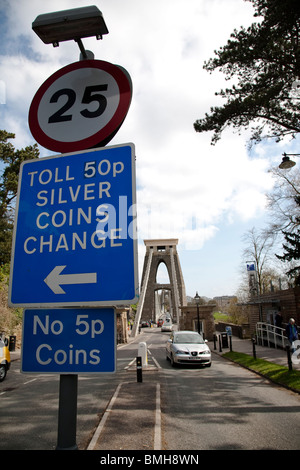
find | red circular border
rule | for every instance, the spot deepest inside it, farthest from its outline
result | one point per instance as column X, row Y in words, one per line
column 125, row 90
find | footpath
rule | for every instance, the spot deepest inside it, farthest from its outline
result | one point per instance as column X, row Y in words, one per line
column 278, row 356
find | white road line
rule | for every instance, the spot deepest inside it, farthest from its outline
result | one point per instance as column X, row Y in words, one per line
column 95, row 438
column 156, row 363
column 130, row 364
column 157, row 426
column 32, row 380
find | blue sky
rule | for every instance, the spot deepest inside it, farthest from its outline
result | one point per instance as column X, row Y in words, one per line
column 206, row 196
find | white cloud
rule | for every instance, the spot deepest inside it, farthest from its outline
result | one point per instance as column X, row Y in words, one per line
column 186, row 187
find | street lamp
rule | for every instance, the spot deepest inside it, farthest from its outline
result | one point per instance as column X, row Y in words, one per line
column 287, row 162
column 67, row 25
column 197, row 300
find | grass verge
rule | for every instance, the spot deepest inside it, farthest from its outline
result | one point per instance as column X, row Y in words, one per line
column 279, row 374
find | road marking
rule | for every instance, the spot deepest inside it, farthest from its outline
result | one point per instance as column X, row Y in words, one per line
column 130, row 363
column 100, row 427
column 32, row 380
column 155, row 362
column 157, row 426
column 153, row 358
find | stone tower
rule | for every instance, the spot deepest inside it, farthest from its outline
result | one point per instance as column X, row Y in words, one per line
column 157, row 252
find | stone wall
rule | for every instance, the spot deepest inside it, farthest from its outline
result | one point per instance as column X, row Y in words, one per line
column 122, row 325
column 241, row 331
column 189, row 319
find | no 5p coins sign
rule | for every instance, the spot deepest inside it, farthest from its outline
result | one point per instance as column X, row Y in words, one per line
column 69, row 341
column 80, row 106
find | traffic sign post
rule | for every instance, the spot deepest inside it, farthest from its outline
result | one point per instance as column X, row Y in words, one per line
column 74, row 240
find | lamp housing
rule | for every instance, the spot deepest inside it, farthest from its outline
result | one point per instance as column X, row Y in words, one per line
column 286, row 162
column 69, row 25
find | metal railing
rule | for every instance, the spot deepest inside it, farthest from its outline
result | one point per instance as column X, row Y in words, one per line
column 271, row 335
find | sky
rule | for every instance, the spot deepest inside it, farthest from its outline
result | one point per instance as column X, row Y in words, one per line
column 205, row 196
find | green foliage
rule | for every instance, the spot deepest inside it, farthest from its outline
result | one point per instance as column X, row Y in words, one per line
column 292, row 249
column 219, row 316
column 10, row 318
column 265, row 61
column 12, row 160
column 4, row 274
column 278, row 374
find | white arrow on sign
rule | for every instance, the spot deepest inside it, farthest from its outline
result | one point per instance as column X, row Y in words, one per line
column 55, row 279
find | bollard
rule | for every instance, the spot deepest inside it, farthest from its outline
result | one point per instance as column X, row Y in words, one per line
column 142, row 352
column 220, row 345
column 215, row 341
column 289, row 359
column 12, row 343
column 139, row 370
column 230, row 343
column 253, row 347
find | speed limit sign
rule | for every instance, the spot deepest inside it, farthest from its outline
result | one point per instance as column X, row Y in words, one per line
column 80, row 106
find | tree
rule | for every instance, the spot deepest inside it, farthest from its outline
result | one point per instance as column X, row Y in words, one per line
column 259, row 249
column 12, row 160
column 236, row 312
column 282, row 201
column 265, row 61
column 292, row 250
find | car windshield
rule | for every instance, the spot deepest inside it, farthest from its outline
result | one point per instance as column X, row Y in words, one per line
column 188, row 338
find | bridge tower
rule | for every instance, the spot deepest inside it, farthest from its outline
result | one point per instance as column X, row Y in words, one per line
column 157, row 252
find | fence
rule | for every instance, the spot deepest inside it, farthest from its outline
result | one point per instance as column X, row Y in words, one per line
column 270, row 335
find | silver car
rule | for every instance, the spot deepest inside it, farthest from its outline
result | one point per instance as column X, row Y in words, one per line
column 167, row 325
column 188, row 347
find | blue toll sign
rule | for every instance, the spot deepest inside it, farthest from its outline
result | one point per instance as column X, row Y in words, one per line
column 67, row 341
column 75, row 240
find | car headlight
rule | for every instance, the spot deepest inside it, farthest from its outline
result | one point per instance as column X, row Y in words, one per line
column 207, row 352
column 181, row 352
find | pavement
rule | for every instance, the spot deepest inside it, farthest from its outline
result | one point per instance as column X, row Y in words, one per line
column 276, row 355
column 135, row 406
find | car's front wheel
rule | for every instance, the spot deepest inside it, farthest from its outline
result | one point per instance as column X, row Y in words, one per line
column 173, row 363
column 2, row 373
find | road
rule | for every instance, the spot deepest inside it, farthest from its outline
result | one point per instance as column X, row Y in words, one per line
column 222, row 407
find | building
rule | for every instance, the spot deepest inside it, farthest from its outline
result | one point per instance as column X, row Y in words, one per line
column 265, row 307
column 223, row 302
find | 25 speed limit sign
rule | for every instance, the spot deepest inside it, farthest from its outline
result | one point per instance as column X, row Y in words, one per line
column 80, row 106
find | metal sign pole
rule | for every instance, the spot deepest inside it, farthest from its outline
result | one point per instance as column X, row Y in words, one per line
column 67, row 413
